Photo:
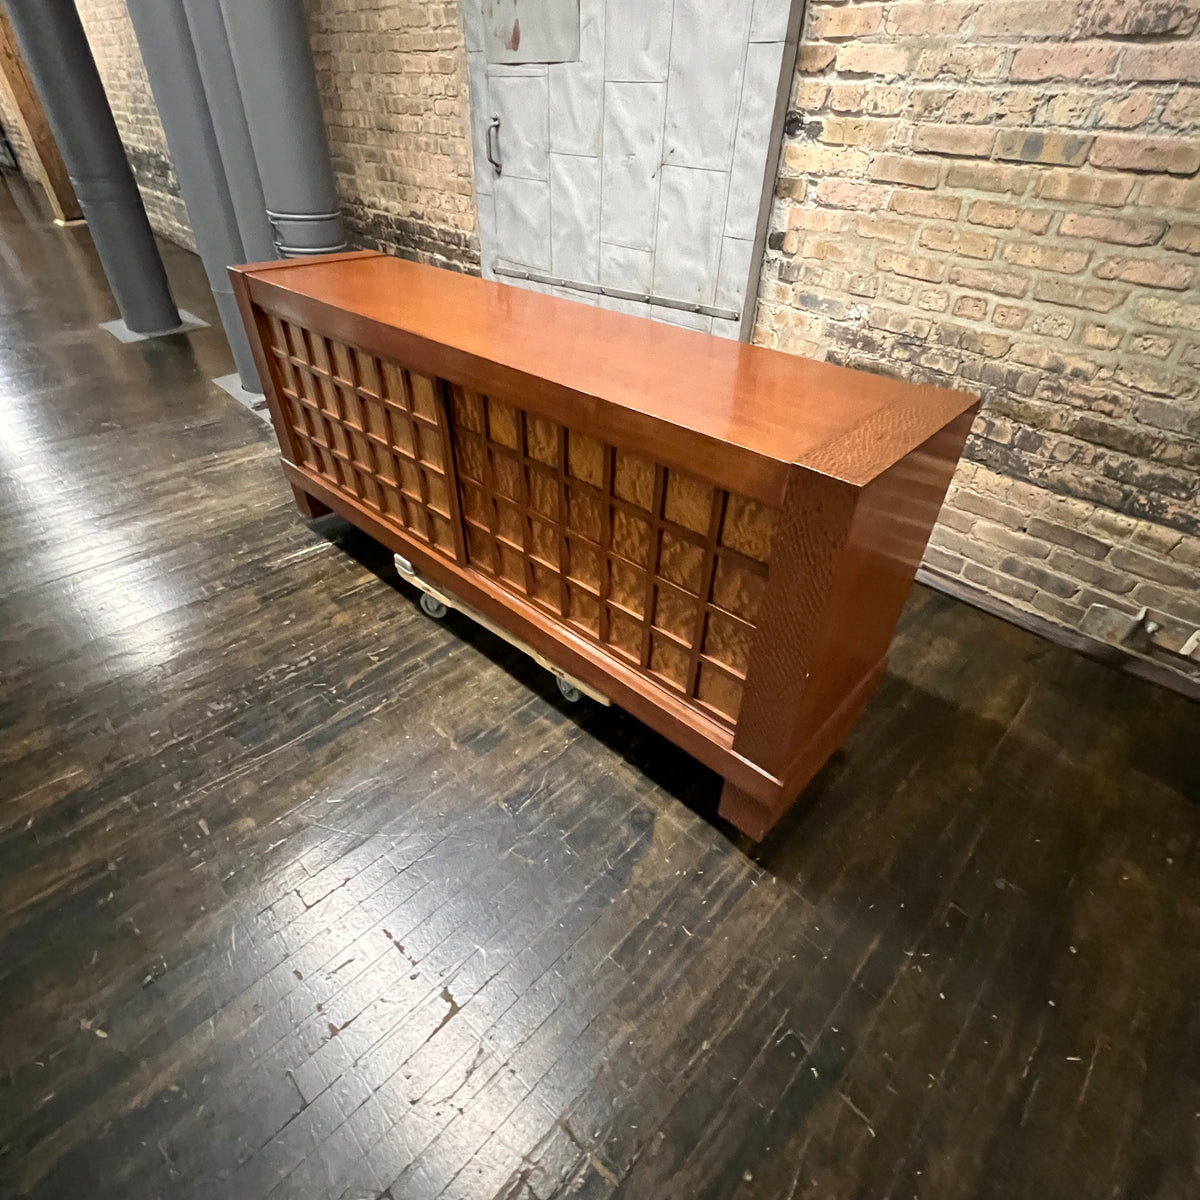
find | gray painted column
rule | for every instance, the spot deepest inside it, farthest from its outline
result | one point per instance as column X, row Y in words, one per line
column 170, row 57
column 60, row 62
column 273, row 56
column 215, row 60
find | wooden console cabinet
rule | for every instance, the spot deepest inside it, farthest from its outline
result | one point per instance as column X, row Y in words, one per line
column 718, row 537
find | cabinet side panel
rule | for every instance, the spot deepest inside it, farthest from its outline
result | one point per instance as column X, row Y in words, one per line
column 892, row 523
column 850, row 556
column 813, row 530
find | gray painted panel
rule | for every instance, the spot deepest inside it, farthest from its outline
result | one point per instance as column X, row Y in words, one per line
column 734, row 272
column 675, row 316
column 705, row 82
column 632, row 154
column 521, row 104
column 624, row 267
column 689, row 234
column 531, row 31
column 763, row 63
column 577, row 89
column 489, row 238
column 522, row 222
column 769, row 22
column 575, row 217
column 639, row 39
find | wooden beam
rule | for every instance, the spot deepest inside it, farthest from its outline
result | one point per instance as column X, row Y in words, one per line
column 48, row 163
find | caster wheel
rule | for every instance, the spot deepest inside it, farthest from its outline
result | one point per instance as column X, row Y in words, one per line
column 431, row 606
column 571, row 694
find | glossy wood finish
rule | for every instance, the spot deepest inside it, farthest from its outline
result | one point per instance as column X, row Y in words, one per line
column 304, row 895
column 717, row 536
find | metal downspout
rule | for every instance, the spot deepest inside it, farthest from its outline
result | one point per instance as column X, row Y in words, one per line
column 60, row 62
column 273, row 56
column 165, row 39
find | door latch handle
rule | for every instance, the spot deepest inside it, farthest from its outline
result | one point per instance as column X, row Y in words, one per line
column 493, row 156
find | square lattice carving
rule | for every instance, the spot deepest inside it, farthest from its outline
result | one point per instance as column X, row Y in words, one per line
column 663, row 570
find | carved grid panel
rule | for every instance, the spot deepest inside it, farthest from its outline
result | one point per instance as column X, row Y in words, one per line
column 664, row 571
column 368, row 427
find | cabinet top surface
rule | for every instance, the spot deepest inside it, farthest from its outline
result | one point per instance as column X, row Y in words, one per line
column 784, row 408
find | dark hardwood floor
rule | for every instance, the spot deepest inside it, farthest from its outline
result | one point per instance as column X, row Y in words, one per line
column 305, row 895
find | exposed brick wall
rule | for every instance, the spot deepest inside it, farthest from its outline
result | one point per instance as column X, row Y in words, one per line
column 16, row 137
column 115, row 49
column 1003, row 196
column 393, row 80
column 393, row 83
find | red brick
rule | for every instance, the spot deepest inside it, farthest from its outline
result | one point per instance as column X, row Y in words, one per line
column 1128, row 111
column 963, row 141
column 872, row 58
column 907, row 19
column 884, row 228
column 809, row 158
column 1101, row 337
column 1024, row 18
column 911, row 266
column 984, row 279
column 1009, row 216
column 896, row 322
column 1132, row 153
column 850, row 193
column 1112, row 229
column 959, row 62
column 1053, row 324
column 899, row 168
column 1071, row 60
column 973, row 307
column 1112, row 191
column 1162, row 63
column 816, row 219
column 1169, row 312
column 830, row 249
column 814, row 58
column 1010, row 316
column 1059, row 291
column 1150, row 344
column 847, row 131
column 1044, row 257
column 791, row 189
column 923, row 204
column 989, row 177
column 1147, row 271
column 958, row 241
column 810, row 94
column 1183, row 237
column 857, row 20
column 1183, row 109
column 1033, row 145
column 1120, row 18
column 1170, row 193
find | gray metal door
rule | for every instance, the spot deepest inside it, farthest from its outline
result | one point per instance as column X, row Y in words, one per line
column 637, row 175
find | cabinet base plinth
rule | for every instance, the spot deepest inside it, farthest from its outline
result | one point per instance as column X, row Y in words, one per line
column 309, row 506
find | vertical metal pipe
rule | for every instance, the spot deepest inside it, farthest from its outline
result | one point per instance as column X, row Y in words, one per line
column 165, row 39
column 60, row 62
column 273, row 56
column 215, row 60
